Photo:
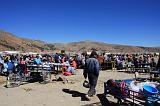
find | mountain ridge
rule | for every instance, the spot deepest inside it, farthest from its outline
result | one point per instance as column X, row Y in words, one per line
column 9, row 41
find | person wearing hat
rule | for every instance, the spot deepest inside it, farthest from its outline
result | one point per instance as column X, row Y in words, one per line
column 91, row 70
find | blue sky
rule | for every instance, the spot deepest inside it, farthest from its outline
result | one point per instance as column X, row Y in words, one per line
column 126, row 22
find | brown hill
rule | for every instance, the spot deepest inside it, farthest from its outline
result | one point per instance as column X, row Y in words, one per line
column 100, row 46
column 9, row 41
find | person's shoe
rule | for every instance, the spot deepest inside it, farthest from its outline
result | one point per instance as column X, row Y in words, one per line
column 88, row 97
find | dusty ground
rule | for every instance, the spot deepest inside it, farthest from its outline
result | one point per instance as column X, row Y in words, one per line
column 58, row 93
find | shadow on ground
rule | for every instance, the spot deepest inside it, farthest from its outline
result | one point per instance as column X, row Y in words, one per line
column 75, row 94
column 103, row 100
column 24, row 82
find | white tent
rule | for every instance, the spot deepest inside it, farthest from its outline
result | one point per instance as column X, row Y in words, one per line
column 10, row 52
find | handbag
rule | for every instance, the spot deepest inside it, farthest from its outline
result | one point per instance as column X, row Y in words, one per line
column 86, row 84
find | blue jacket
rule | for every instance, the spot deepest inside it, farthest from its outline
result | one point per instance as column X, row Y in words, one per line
column 10, row 66
column 92, row 66
column 37, row 61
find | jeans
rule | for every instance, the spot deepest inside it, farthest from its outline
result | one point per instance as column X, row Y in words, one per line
column 92, row 82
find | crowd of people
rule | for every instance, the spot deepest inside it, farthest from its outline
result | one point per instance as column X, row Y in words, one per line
column 10, row 63
column 91, row 64
column 127, row 60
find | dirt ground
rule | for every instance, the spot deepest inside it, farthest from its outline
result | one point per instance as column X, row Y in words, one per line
column 60, row 94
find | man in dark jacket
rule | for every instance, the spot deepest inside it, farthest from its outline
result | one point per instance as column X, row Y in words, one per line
column 92, row 71
column 158, row 63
